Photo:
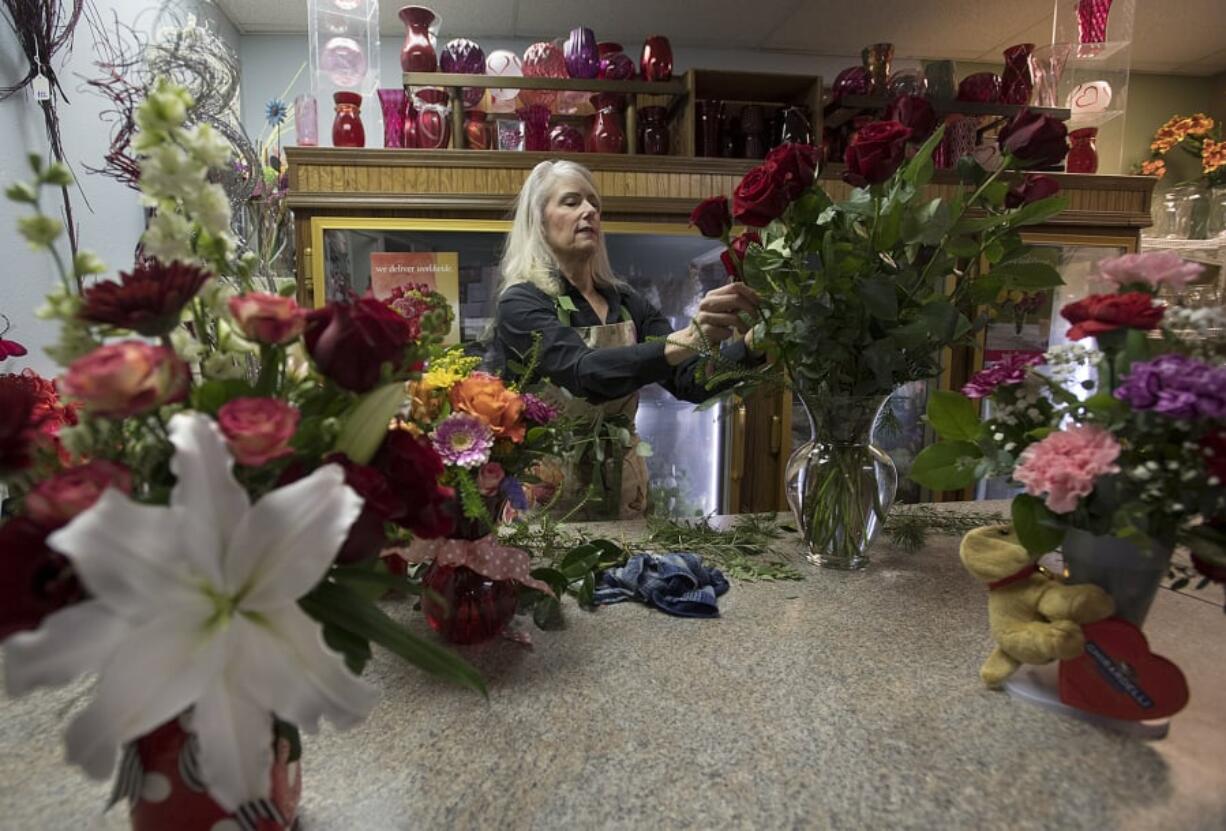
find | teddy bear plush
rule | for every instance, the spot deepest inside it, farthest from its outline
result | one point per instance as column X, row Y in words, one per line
column 1034, row 618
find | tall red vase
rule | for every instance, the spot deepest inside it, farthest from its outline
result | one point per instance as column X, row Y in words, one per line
column 433, row 119
column 606, row 133
column 656, row 63
column 347, row 129
column 418, row 53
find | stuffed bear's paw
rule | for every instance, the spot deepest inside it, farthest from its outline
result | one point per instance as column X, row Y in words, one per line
column 1090, row 605
column 1064, row 639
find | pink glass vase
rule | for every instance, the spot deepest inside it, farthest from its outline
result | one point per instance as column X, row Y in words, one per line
column 1092, row 20
column 410, row 124
column 420, row 36
column 854, row 80
column 433, row 118
column 656, row 62
column 1046, row 67
column 536, row 127
column 393, row 102
column 542, row 60
column 465, row 607
column 306, row 121
column 606, row 134
column 565, row 138
column 478, row 133
column 958, row 141
column 347, row 129
column 1083, row 151
column 1015, row 84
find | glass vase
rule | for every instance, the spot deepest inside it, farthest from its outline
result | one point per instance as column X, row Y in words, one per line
column 420, row 38
column 306, row 121
column 347, row 129
column 656, row 60
column 653, row 131
column 1046, row 67
column 1083, row 151
column 707, row 127
column 465, row 607
column 1092, row 20
column 393, row 102
column 877, row 59
column 839, row 485
column 1015, row 84
column 536, row 127
column 478, row 132
column 606, row 134
column 433, row 118
column 1217, row 212
column 542, row 60
column 1130, row 573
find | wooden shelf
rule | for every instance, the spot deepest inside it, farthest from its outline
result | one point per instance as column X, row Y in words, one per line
column 676, row 86
column 840, row 112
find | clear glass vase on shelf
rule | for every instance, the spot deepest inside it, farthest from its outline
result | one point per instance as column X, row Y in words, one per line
column 839, row 485
column 1217, row 212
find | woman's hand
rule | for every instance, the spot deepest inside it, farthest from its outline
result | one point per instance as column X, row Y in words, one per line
column 720, row 314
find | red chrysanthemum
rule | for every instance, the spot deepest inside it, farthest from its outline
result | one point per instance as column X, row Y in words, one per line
column 147, row 300
column 30, row 414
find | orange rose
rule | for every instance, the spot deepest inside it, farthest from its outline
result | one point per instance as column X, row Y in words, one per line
column 486, row 397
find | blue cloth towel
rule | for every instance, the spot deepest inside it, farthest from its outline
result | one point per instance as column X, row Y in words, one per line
column 678, row 584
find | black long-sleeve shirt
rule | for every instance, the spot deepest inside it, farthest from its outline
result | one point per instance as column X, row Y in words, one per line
column 596, row 375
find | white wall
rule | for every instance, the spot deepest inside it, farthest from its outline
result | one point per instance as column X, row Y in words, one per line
column 113, row 226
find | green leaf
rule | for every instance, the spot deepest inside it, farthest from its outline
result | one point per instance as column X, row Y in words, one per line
column 211, row 395
column 579, row 561
column 1029, row 276
column 330, row 603
column 986, row 288
column 21, row 192
column 1037, row 528
column 879, row 297
column 363, row 431
column 946, row 465
column 919, row 170
column 1039, row 212
column 954, row 416
column 372, row 581
column 889, row 226
column 355, row 650
column 547, row 614
column 994, row 251
column 995, row 193
column 962, row 246
column 586, row 594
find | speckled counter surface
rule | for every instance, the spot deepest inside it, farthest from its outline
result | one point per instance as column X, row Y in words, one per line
column 843, row 701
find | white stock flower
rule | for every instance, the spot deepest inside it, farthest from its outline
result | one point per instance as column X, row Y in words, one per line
column 168, row 237
column 195, row 605
column 168, row 172
column 207, row 145
column 223, row 366
column 208, row 205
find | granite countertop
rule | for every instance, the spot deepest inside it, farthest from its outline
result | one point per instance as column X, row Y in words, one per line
column 842, row 701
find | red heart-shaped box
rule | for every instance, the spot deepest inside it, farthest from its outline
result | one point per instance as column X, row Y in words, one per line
column 1118, row 677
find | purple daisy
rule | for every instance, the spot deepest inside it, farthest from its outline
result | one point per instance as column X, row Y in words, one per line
column 463, row 440
column 1012, row 370
column 538, row 410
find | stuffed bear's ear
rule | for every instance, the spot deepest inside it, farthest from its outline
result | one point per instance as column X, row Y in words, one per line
column 993, row 552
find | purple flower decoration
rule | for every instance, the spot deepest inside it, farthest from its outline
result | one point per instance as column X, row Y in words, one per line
column 538, row 410
column 1010, row 371
column 1176, row 386
column 463, row 440
column 514, row 492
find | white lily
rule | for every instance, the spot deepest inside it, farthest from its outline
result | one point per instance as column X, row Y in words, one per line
column 195, row 605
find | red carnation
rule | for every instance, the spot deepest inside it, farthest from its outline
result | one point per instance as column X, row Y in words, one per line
column 1101, row 313
column 147, row 300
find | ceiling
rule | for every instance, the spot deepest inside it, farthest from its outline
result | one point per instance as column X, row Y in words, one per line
column 1185, row 37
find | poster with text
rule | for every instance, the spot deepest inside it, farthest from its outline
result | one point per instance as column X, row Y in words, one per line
column 437, row 270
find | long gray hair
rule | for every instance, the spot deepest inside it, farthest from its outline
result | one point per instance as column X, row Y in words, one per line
column 527, row 257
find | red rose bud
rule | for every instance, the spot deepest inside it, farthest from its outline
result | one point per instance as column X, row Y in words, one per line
column 914, row 113
column 1101, row 313
column 760, row 197
column 37, row 581
column 877, row 151
column 350, row 341
column 412, row 469
column 740, row 244
column 258, row 430
column 268, row 318
column 380, row 504
column 55, row 501
column 795, row 166
column 1035, row 138
column 1032, row 188
column 711, row 217
column 127, row 378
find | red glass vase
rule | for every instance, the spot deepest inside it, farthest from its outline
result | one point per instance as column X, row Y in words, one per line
column 169, row 796
column 653, row 131
column 393, row 102
column 347, row 130
column 1015, row 83
column 707, row 127
column 565, row 138
column 981, row 88
column 606, row 133
column 418, row 54
column 1083, row 151
column 536, row 127
column 465, row 607
column 433, row 119
column 478, row 134
column 542, row 60
column 656, row 63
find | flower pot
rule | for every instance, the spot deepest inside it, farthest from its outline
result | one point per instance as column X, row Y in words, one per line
column 839, row 485
column 1130, row 573
column 159, row 774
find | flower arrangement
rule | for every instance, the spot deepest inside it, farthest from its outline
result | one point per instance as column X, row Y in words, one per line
column 1127, row 439
column 861, row 295
column 197, row 522
column 1197, row 135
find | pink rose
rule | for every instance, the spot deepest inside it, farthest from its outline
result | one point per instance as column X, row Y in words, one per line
column 489, row 478
column 127, row 378
column 258, row 430
column 268, row 318
column 55, row 501
column 1066, row 464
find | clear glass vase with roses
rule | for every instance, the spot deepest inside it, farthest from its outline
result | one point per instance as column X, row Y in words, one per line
column 861, row 295
column 1119, row 448
column 198, row 522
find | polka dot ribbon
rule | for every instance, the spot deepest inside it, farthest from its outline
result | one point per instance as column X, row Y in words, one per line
column 484, row 556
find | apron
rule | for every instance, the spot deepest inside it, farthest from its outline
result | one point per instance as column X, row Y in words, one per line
column 612, row 462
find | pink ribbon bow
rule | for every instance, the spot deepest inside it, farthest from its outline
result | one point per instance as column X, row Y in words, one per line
column 484, row 556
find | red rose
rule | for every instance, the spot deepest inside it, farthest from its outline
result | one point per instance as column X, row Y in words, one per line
column 350, row 341
column 55, row 501
column 740, row 244
column 127, row 378
column 37, row 581
column 1038, row 139
column 1214, row 445
column 794, row 166
column 876, row 152
column 1032, row 188
column 711, row 217
column 412, row 468
column 267, row 318
column 258, row 430
column 914, row 113
column 1100, row 313
column 759, row 198
column 380, row 504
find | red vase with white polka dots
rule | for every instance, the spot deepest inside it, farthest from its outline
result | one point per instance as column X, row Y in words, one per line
column 165, row 790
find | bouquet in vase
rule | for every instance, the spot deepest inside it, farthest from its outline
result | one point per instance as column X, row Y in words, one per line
column 196, row 522
column 860, row 295
column 1119, row 446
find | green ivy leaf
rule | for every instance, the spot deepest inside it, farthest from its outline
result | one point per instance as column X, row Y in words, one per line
column 946, row 465
column 1037, row 528
column 1029, row 276
column 954, row 416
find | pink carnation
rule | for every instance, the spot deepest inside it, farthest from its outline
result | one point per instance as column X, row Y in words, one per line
column 1153, row 269
column 1065, row 464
